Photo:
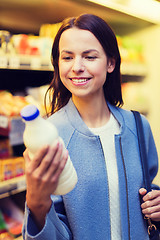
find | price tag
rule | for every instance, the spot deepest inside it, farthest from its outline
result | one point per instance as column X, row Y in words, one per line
column 3, row 62
column 4, row 122
column 16, row 132
column 35, row 63
column 14, row 62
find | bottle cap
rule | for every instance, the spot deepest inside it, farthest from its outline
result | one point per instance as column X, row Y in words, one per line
column 29, row 112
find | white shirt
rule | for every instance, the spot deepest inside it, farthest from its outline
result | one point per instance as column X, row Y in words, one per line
column 106, row 134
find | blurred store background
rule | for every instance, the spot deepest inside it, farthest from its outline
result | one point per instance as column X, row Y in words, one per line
column 27, row 30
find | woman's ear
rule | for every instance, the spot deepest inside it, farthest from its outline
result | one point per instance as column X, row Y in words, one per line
column 111, row 65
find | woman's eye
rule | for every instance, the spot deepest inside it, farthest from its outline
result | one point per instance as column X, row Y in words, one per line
column 90, row 57
column 67, row 58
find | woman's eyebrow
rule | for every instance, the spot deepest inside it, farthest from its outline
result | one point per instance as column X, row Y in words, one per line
column 85, row 52
column 66, row 51
column 90, row 50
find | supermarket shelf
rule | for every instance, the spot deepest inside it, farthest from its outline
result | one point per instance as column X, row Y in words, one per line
column 25, row 62
column 22, row 78
column 35, row 78
column 12, row 186
column 134, row 69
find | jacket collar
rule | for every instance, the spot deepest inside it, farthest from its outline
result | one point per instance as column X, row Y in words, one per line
column 78, row 123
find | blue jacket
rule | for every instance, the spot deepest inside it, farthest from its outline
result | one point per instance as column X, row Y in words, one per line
column 84, row 214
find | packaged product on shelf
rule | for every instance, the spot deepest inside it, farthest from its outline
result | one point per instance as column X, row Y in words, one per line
column 6, row 43
column 5, row 148
column 12, row 216
column 36, row 96
column 2, row 223
column 12, row 126
column 19, row 167
column 16, row 131
column 32, row 45
column 25, row 51
column 22, row 45
column 10, row 122
column 131, row 50
column 11, row 168
column 49, row 30
column 6, row 169
column 4, row 234
column 4, row 125
column 11, row 105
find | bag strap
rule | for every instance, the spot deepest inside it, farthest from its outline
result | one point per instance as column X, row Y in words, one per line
column 143, row 155
column 142, row 149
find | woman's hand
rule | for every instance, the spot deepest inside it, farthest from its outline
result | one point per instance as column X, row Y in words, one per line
column 42, row 175
column 151, row 204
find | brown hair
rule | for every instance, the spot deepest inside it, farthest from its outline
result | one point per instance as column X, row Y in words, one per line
column 112, row 87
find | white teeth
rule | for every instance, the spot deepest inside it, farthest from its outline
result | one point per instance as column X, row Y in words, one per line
column 80, row 80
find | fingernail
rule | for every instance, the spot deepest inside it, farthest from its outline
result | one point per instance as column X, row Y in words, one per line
column 141, row 191
column 66, row 153
column 60, row 145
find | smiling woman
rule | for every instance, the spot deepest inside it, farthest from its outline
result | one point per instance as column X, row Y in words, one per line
column 101, row 139
column 84, row 64
column 87, row 48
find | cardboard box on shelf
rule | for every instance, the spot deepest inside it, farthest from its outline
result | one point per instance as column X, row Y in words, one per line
column 12, row 127
column 19, row 166
column 5, row 148
column 11, row 168
column 6, row 169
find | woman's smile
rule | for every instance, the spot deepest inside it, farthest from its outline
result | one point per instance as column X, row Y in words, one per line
column 80, row 81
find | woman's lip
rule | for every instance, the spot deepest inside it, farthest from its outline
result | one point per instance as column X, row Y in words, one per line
column 79, row 81
column 79, row 78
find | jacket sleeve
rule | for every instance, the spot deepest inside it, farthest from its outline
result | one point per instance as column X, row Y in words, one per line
column 152, row 155
column 56, row 225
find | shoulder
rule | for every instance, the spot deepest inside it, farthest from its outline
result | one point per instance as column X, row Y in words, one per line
column 62, row 123
column 131, row 124
column 126, row 119
column 129, row 117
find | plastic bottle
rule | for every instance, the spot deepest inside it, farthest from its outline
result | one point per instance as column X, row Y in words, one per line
column 39, row 132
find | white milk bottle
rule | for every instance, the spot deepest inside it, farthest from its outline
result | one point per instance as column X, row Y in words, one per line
column 39, row 132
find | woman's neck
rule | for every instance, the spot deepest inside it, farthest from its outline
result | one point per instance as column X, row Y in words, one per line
column 94, row 113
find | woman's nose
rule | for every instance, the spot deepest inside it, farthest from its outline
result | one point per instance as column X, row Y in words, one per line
column 78, row 65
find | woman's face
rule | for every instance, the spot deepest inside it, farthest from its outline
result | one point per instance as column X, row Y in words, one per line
column 83, row 64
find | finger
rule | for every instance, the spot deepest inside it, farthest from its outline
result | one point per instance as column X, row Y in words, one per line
column 41, row 172
column 39, row 155
column 56, row 177
column 151, row 203
column 151, row 195
column 155, row 216
column 61, row 166
column 54, row 164
column 48, row 158
column 149, row 210
column 32, row 165
column 26, row 158
column 142, row 191
column 153, row 213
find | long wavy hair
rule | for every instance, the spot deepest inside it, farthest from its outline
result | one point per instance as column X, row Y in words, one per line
column 58, row 93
